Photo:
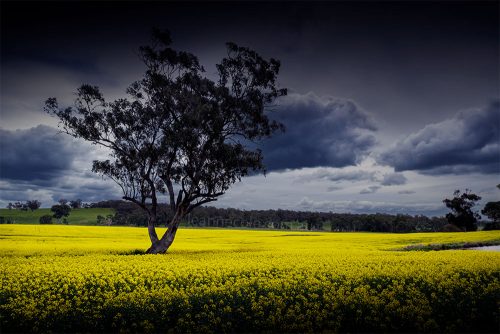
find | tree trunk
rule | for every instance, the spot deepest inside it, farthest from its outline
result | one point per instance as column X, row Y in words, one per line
column 151, row 228
column 162, row 245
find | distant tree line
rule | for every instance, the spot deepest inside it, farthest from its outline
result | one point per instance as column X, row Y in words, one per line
column 35, row 204
column 24, row 206
column 73, row 204
column 59, row 211
column 461, row 217
column 206, row 216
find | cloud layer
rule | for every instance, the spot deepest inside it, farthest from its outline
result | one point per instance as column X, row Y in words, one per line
column 362, row 206
column 319, row 132
column 468, row 142
column 41, row 163
column 38, row 153
column 393, row 179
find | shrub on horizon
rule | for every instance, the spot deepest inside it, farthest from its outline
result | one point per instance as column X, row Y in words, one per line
column 46, row 219
column 6, row 220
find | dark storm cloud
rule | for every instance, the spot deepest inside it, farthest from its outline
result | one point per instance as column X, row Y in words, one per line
column 409, row 63
column 364, row 51
column 370, row 190
column 39, row 153
column 357, row 206
column 393, row 179
column 319, row 132
column 91, row 189
column 450, row 51
column 406, row 192
column 337, row 175
column 468, row 142
column 42, row 163
column 333, row 188
column 353, row 176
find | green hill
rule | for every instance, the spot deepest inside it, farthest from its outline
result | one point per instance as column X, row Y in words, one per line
column 76, row 217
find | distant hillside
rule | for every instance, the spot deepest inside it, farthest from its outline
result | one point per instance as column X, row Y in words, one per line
column 76, row 217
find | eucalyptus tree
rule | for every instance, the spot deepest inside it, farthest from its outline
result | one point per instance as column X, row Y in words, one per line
column 179, row 133
column 60, row 211
column 33, row 204
column 461, row 214
column 492, row 210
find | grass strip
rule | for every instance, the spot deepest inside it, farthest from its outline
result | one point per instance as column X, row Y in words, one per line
column 447, row 246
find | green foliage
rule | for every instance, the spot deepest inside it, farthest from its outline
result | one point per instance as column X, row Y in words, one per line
column 446, row 246
column 461, row 214
column 6, row 220
column 492, row 211
column 76, row 217
column 450, row 228
column 207, row 216
column 76, row 204
column 179, row 127
column 492, row 226
column 45, row 219
column 29, row 205
column 60, row 211
column 18, row 206
column 33, row 205
column 108, row 220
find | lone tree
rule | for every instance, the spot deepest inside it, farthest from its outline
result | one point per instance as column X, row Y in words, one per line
column 45, row 219
column 492, row 211
column 33, row 205
column 63, row 201
column 19, row 206
column 75, row 204
column 461, row 214
column 179, row 133
column 60, row 211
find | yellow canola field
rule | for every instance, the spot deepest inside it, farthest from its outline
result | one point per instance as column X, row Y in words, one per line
column 88, row 279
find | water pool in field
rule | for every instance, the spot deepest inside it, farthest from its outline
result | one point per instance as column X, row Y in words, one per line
column 487, row 248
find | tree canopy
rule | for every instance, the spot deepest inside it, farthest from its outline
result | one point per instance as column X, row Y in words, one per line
column 492, row 211
column 60, row 211
column 33, row 204
column 461, row 214
column 178, row 132
column 75, row 204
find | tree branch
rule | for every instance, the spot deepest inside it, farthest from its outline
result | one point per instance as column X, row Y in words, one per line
column 133, row 200
column 197, row 204
column 171, row 194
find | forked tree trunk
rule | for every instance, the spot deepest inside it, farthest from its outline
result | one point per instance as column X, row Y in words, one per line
column 162, row 245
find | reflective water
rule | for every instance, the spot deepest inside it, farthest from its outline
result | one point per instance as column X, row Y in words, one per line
column 487, row 248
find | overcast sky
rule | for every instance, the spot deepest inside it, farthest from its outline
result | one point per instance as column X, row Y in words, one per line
column 391, row 107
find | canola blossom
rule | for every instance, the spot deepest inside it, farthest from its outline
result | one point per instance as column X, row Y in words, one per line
column 90, row 279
